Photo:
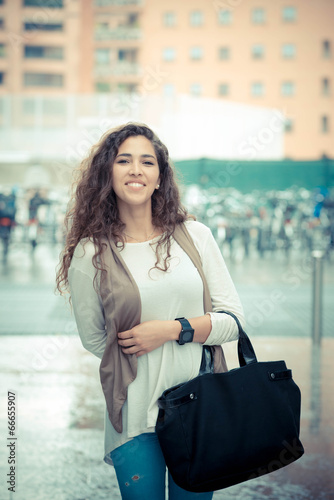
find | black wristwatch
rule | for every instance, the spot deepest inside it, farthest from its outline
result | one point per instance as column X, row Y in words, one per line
column 187, row 332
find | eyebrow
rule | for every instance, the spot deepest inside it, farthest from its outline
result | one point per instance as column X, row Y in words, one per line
column 142, row 156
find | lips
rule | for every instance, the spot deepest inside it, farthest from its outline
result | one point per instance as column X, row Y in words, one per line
column 135, row 184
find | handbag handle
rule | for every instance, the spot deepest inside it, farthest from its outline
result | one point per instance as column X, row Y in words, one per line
column 246, row 353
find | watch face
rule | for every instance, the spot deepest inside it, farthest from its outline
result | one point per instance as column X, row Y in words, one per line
column 187, row 336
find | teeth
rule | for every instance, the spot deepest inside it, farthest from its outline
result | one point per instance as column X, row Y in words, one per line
column 135, row 184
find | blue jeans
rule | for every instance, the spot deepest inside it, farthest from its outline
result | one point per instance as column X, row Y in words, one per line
column 141, row 472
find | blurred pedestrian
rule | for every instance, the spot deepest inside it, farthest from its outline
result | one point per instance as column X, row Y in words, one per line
column 7, row 219
column 34, row 227
column 129, row 264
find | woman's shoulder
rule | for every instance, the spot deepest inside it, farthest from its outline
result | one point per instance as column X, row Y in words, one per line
column 197, row 229
column 82, row 259
column 84, row 249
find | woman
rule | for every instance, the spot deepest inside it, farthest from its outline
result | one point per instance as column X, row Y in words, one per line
column 129, row 261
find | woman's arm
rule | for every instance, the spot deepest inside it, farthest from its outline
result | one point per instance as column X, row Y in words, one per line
column 222, row 291
column 87, row 305
column 150, row 335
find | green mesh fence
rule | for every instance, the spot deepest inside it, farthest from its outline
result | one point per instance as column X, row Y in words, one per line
column 247, row 176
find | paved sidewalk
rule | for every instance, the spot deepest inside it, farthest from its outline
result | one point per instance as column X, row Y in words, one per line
column 60, row 411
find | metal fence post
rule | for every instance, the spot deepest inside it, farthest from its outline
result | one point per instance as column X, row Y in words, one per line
column 318, row 260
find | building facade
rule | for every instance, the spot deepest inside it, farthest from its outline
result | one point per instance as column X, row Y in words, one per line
column 273, row 54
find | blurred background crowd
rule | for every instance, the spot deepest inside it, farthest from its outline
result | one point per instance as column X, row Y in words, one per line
column 291, row 222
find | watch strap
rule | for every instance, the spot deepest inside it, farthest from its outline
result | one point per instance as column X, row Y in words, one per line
column 186, row 329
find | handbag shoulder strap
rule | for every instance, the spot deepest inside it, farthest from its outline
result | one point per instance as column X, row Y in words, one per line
column 246, row 353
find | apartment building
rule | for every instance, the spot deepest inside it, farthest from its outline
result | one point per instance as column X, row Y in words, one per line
column 69, row 46
column 259, row 52
column 39, row 46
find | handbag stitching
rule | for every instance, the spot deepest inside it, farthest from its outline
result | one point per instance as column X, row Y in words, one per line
column 186, row 442
column 175, row 403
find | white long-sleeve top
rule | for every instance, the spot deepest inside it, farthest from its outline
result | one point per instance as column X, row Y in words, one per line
column 164, row 296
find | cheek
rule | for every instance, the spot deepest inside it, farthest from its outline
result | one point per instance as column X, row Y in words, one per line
column 115, row 175
column 158, row 176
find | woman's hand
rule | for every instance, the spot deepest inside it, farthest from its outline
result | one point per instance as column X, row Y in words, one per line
column 147, row 336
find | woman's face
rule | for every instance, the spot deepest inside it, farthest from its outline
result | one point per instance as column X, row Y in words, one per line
column 135, row 173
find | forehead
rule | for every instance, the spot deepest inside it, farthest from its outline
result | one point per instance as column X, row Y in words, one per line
column 137, row 145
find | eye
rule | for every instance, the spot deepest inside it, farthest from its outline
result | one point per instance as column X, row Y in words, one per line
column 122, row 161
column 148, row 163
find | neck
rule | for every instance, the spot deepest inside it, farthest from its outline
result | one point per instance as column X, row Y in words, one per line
column 139, row 233
column 138, row 225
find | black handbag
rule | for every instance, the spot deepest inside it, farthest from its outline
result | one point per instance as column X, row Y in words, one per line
column 221, row 429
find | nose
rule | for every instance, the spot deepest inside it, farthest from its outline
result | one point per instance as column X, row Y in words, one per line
column 135, row 167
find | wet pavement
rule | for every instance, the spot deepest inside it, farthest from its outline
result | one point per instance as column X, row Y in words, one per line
column 60, row 406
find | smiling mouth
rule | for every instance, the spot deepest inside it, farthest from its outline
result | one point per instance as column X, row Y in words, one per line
column 135, row 184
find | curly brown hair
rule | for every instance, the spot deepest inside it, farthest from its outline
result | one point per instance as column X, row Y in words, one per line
column 93, row 211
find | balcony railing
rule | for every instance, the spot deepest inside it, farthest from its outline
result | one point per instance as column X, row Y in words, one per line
column 122, row 33
column 118, row 69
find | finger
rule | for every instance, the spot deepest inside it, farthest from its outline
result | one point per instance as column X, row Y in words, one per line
column 130, row 350
column 124, row 335
column 127, row 342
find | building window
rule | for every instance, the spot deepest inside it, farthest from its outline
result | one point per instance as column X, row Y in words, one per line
column 224, row 53
column 102, row 56
column 326, row 49
column 2, row 50
column 2, row 77
column 102, row 87
column 223, row 89
column 169, row 19
column 288, row 51
column 258, row 16
column 53, row 4
column 288, row 125
column 258, row 51
column 169, row 90
column 287, row 88
column 324, row 124
column 102, row 26
column 289, row 14
column 325, row 86
column 43, row 80
column 42, row 52
column 126, row 88
column 257, row 89
column 132, row 20
column 169, row 54
column 128, row 55
column 196, row 18
column 52, row 26
column 196, row 89
column 225, row 17
column 196, row 53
